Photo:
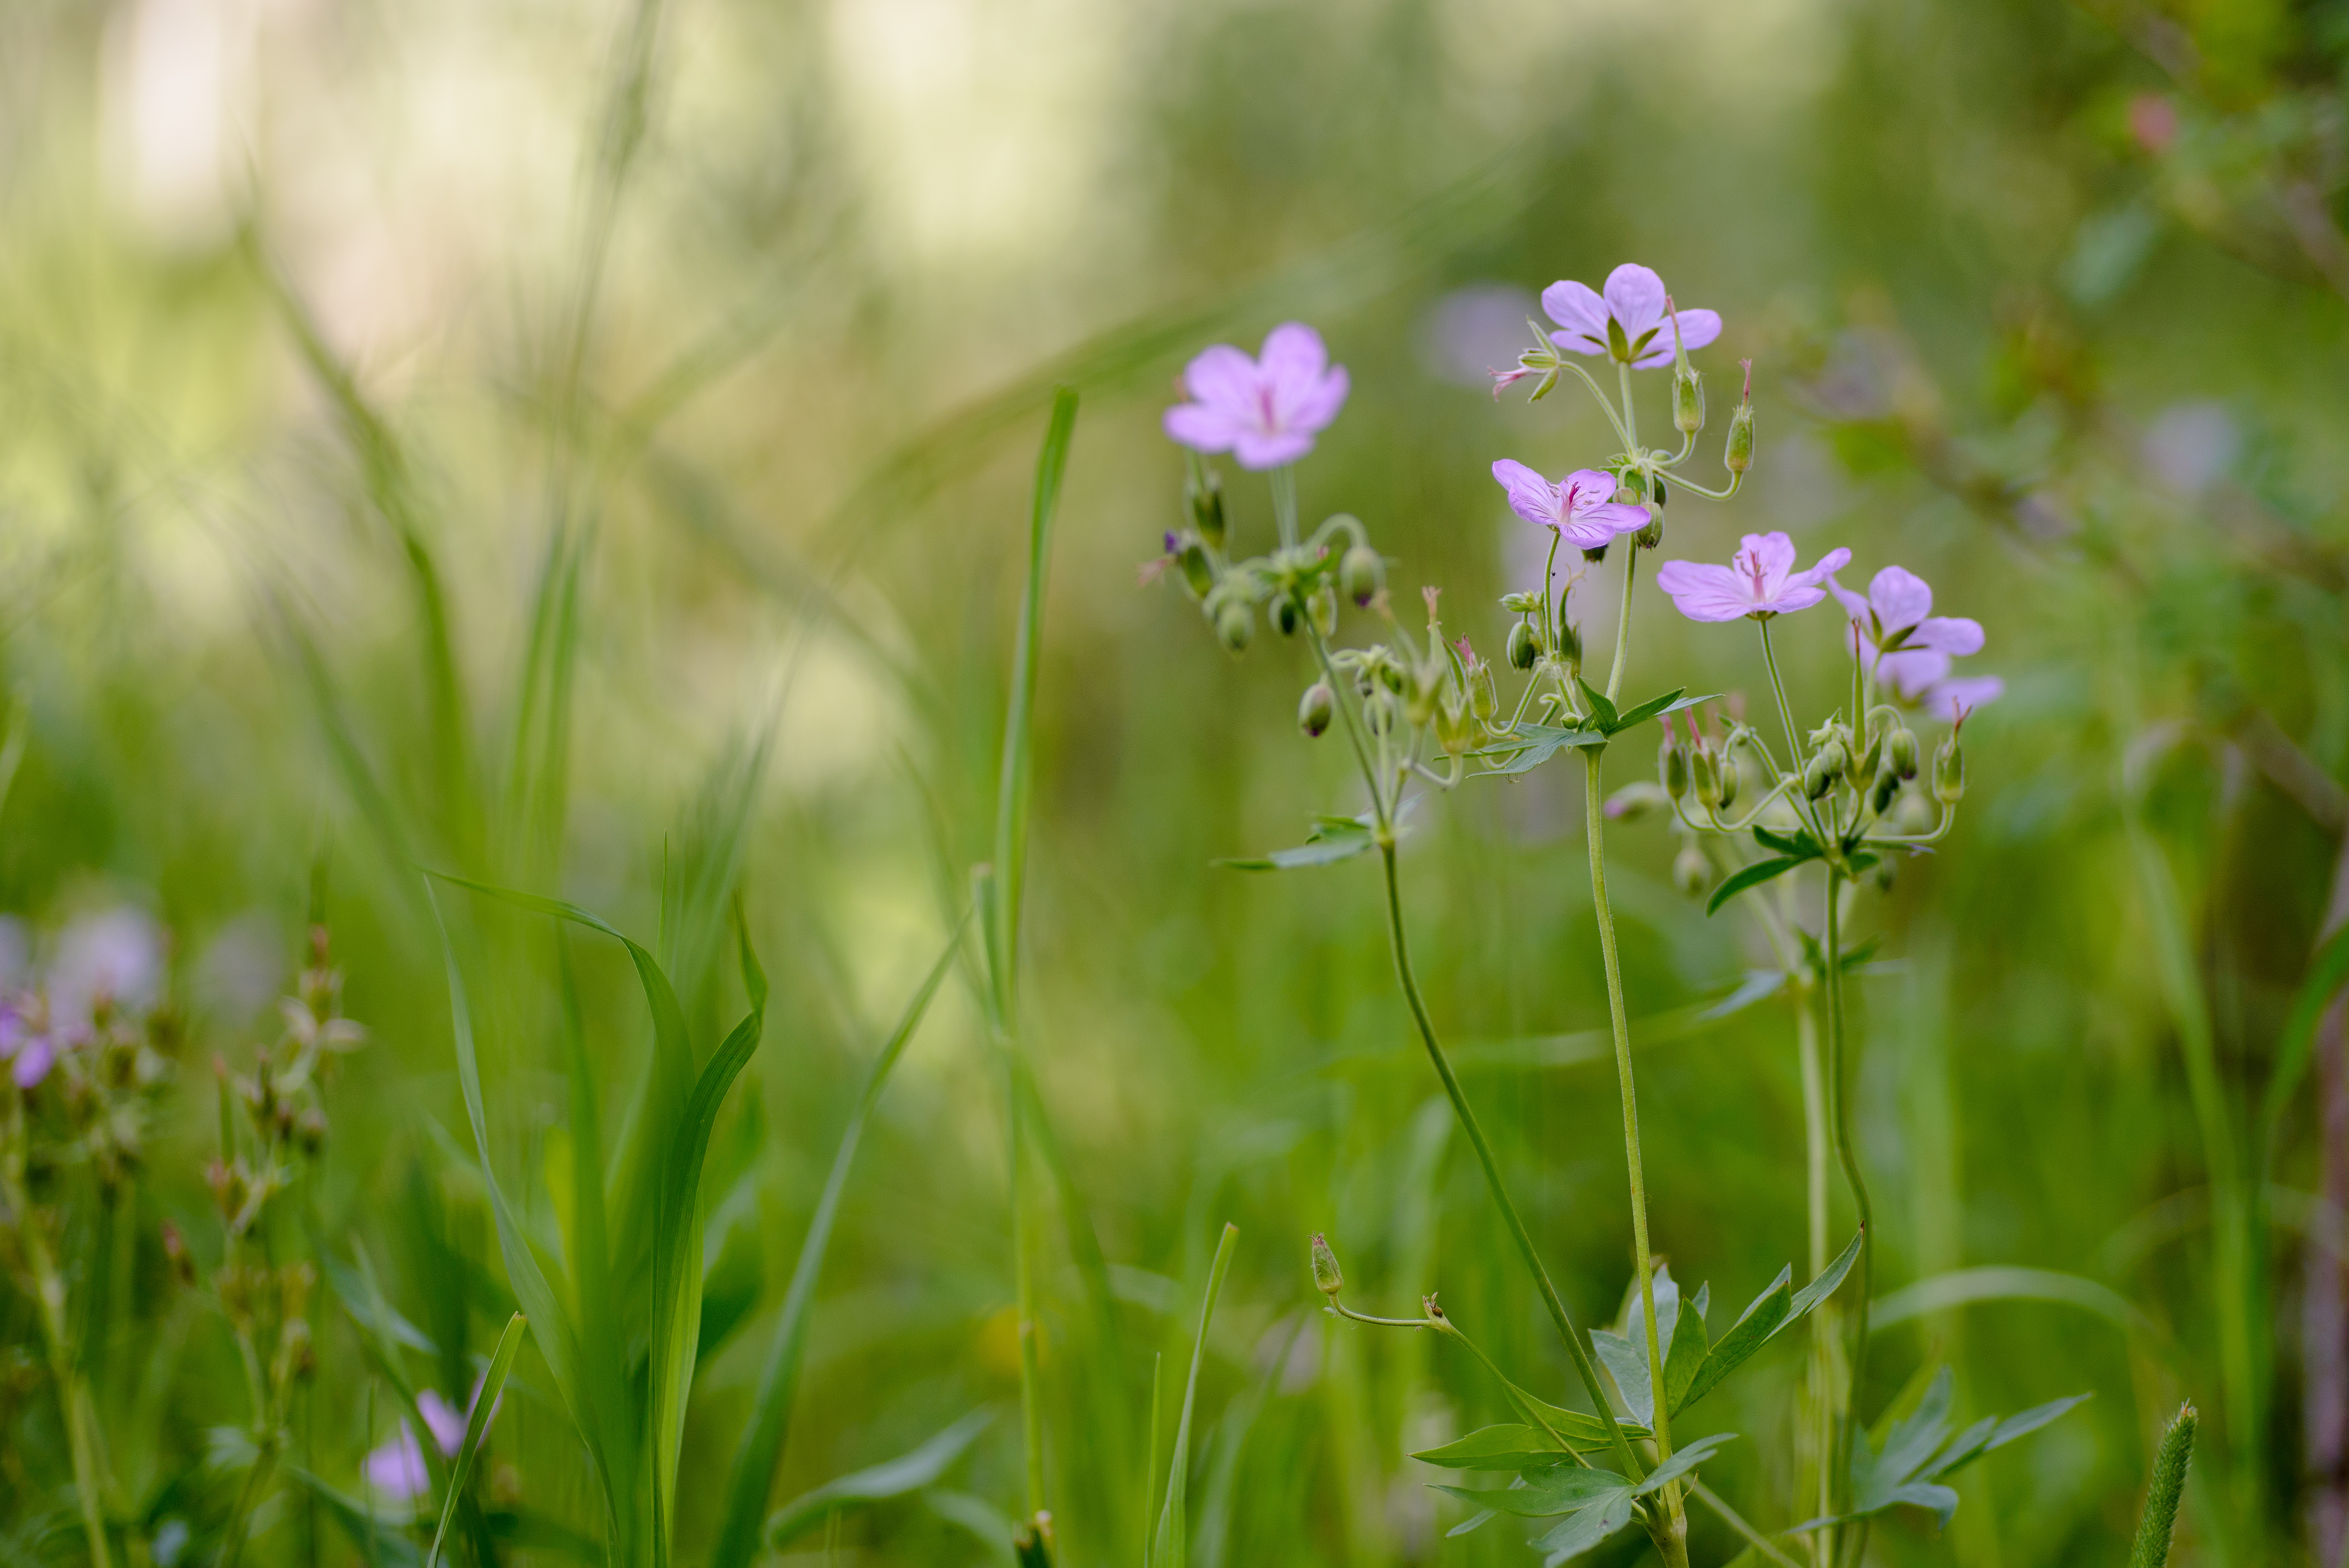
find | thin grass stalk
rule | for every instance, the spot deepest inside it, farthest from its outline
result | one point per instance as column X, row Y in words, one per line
column 1173, row 1521
column 1839, row 1092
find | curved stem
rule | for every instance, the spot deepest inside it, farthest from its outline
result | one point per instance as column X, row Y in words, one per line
column 1803, row 807
column 1594, row 819
column 1630, row 425
column 1342, row 1310
column 1584, row 1367
column 1284, row 503
column 1839, row 1092
column 1605, row 407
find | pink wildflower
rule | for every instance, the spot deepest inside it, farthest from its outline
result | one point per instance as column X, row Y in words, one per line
column 1760, row 581
column 1897, row 615
column 1635, row 301
column 1265, row 411
column 1582, row 506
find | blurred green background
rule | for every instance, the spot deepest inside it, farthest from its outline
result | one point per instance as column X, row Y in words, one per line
column 687, row 362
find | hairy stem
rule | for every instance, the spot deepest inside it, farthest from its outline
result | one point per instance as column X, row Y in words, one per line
column 1839, row 1091
column 1623, row 625
column 1583, row 1366
column 1594, row 817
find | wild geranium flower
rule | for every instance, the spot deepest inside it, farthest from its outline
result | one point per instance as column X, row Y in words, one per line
column 1581, row 506
column 1634, row 301
column 1897, row 614
column 1760, row 581
column 1264, row 411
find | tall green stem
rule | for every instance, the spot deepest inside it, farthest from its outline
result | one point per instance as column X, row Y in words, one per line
column 1816, row 1141
column 1623, row 625
column 1564, row 1321
column 73, row 1389
column 1839, row 1090
column 1595, row 821
column 1283, row 504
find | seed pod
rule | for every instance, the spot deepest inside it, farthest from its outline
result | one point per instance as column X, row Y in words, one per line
column 1287, row 615
column 1688, row 402
column 1690, row 873
column 1887, row 784
column 1704, row 772
column 1820, row 773
column 1327, row 1278
column 1569, row 642
column 1671, row 765
column 1198, row 573
column 1738, row 456
column 1235, row 625
column 1483, row 696
column 1207, row 508
column 1650, row 536
column 1728, row 771
column 1362, row 573
column 1950, row 772
column 1314, row 710
column 1901, row 752
column 1523, row 648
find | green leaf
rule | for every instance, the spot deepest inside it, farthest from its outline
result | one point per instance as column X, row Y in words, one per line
column 1561, row 1489
column 1819, row 1289
column 1325, row 845
column 477, row 1425
column 1688, row 1350
column 1628, row 1364
column 1752, row 1329
column 1531, row 745
column 1584, row 1434
column 2031, row 1420
column 1586, row 1529
column 900, row 1477
column 1758, row 986
column 1683, row 1461
column 1656, row 707
column 1173, row 1541
column 1502, row 1447
column 1744, row 877
column 2326, row 973
column 760, row 1449
column 1603, row 717
column 1802, row 846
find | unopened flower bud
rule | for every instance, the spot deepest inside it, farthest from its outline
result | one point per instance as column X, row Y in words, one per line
column 1887, row 785
column 1727, row 768
column 1524, row 647
column 1207, row 508
column 1325, row 610
column 1911, row 815
column 1235, row 625
column 1690, row 871
column 1521, row 604
column 1456, row 729
column 1950, row 772
column 175, row 1252
column 1314, row 710
column 1362, row 573
column 1198, row 573
column 1327, row 1278
column 1650, row 536
column 1705, row 773
column 1671, row 765
column 310, row 1131
column 1688, row 402
column 1287, row 615
column 1884, row 876
column 1569, row 642
column 1901, row 752
column 1826, row 766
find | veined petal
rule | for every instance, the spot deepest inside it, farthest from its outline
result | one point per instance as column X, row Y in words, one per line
column 1580, row 341
column 1201, row 428
column 1615, row 517
column 1635, row 297
column 1944, row 700
column 1947, row 635
column 1222, row 378
column 1311, row 405
column 1531, row 497
column 1796, row 595
column 1912, row 670
column 1294, row 355
column 1585, row 533
column 1854, row 605
column 1763, row 560
column 1833, row 562
column 1900, row 597
column 1698, row 328
column 1578, row 308
column 1703, row 591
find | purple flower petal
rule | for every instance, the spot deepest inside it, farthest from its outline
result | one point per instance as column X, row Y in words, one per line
column 1293, row 355
column 1911, row 671
column 1531, row 497
column 1224, row 378
column 1258, row 449
column 1580, row 310
column 1201, row 428
column 1635, row 298
column 33, row 1058
column 1947, row 698
column 397, row 1469
column 1310, row 406
column 1947, row 635
column 1704, row 593
column 1615, row 517
column 447, row 1422
column 1856, row 605
column 1900, row 597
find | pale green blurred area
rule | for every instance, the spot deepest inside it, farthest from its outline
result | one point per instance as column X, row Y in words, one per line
column 778, row 369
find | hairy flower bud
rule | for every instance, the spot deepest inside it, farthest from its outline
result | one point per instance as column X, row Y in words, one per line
column 1826, row 766
column 1569, row 642
column 1688, row 402
column 1523, row 647
column 1738, row 456
column 1704, row 772
column 1901, row 752
column 1324, row 608
column 1315, row 708
column 1950, row 772
column 1207, row 507
column 1650, row 536
column 1690, row 873
column 1728, row 772
column 1191, row 556
column 1235, row 625
column 1456, row 729
column 1327, row 1278
column 1362, row 573
column 1671, row 765
column 1483, row 696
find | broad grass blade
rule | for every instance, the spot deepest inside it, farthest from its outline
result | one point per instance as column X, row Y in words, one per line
column 477, row 1425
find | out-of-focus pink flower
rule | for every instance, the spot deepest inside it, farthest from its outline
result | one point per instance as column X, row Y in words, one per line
column 115, row 957
column 397, row 1469
column 25, row 1042
column 1897, row 614
column 1921, row 676
column 1760, row 581
column 1634, row 299
column 1582, row 506
column 1264, row 411
column 2153, row 121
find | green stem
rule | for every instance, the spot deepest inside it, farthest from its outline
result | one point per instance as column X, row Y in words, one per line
column 1804, row 806
column 1594, row 818
column 1564, row 1321
column 1623, row 625
column 1815, row 1168
column 1839, row 1090
column 1630, row 417
column 1737, row 1522
column 1284, row 503
column 73, row 1390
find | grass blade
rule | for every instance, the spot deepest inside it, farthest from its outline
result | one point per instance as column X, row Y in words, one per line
column 762, row 1448
column 1174, row 1534
column 477, row 1425
column 894, row 1478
